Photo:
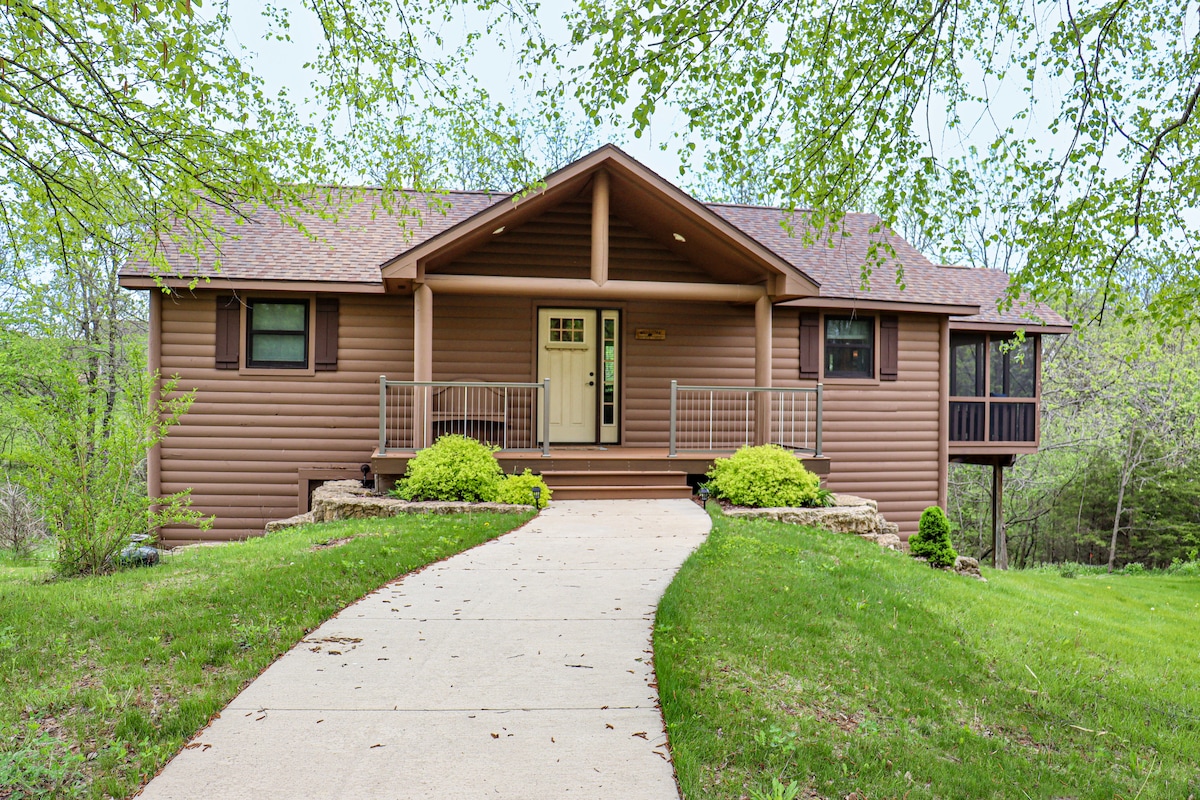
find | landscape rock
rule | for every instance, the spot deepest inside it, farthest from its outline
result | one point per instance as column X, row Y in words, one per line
column 861, row 518
column 350, row 500
column 964, row 565
column 290, row 522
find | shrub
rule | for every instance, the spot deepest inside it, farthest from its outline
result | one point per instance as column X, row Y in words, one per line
column 1135, row 568
column 518, row 490
column 766, row 476
column 932, row 540
column 83, row 464
column 455, row 467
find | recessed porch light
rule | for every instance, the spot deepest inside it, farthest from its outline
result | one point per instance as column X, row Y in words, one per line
column 498, row 231
column 679, row 237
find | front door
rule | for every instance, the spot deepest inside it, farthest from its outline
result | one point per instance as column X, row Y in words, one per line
column 567, row 356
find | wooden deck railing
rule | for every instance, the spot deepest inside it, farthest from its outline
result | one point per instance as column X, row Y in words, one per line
column 511, row 416
column 728, row 417
column 994, row 419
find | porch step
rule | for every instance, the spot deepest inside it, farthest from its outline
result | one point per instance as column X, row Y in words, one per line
column 616, row 484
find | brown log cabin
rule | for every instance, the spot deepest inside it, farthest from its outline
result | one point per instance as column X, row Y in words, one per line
column 607, row 330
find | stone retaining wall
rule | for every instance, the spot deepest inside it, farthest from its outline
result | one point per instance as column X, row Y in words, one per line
column 349, row 500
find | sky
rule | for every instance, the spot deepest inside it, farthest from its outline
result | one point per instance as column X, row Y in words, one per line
column 498, row 71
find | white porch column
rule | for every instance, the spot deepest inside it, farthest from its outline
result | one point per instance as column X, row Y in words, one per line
column 600, row 228
column 762, row 368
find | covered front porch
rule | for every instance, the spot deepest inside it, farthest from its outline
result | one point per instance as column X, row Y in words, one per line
column 703, row 423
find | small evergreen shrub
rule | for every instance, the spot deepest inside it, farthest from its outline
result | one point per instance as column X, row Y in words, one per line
column 766, row 476
column 518, row 490
column 932, row 540
column 453, row 468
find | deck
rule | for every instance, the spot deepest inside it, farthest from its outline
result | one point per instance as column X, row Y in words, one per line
column 608, row 461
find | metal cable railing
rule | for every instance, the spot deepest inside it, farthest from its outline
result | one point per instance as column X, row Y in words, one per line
column 728, row 417
column 511, row 416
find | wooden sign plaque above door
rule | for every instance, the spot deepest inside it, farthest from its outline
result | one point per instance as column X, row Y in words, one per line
column 653, row 334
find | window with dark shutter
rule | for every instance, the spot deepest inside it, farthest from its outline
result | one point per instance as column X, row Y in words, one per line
column 889, row 347
column 229, row 320
column 810, row 343
column 277, row 334
column 326, row 344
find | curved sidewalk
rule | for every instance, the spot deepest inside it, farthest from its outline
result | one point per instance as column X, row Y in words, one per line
column 518, row 669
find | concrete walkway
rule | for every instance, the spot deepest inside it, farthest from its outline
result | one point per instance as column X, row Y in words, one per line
column 519, row 669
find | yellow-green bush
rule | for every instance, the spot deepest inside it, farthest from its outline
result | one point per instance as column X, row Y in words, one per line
column 454, row 468
column 518, row 490
column 766, row 476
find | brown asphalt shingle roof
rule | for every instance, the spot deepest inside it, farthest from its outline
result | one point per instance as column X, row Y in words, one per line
column 367, row 233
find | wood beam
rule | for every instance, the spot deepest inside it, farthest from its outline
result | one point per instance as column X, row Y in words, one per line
column 154, row 366
column 943, row 412
column 423, row 333
column 999, row 538
column 763, row 311
column 600, row 228
column 585, row 289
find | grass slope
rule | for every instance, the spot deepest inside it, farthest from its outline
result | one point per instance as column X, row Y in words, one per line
column 102, row 680
column 856, row 672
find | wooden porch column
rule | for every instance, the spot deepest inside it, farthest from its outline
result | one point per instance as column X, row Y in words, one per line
column 999, row 540
column 762, row 368
column 600, row 228
column 422, row 363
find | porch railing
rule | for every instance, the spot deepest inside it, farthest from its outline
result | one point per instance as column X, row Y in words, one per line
column 994, row 419
column 727, row 417
column 512, row 416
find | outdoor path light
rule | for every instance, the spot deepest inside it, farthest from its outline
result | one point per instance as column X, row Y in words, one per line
column 537, row 497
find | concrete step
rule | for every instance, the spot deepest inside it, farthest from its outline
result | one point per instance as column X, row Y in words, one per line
column 621, row 492
column 564, row 478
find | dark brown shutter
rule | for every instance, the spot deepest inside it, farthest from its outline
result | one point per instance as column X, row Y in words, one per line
column 327, row 334
column 810, row 347
column 889, row 347
column 229, row 323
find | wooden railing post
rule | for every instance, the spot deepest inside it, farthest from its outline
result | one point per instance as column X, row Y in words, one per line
column 546, row 418
column 382, row 414
column 820, row 402
column 674, row 395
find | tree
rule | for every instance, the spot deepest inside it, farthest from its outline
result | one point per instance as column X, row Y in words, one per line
column 1086, row 119
column 148, row 103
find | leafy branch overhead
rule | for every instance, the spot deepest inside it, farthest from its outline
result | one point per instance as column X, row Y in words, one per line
column 127, row 112
column 1076, row 124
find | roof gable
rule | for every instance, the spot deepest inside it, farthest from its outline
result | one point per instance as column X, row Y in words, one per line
column 670, row 216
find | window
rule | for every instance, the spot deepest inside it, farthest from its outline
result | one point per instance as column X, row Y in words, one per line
column 966, row 364
column 277, row 334
column 849, row 347
column 566, row 329
column 1012, row 367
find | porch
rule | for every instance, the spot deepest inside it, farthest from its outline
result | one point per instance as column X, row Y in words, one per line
column 703, row 423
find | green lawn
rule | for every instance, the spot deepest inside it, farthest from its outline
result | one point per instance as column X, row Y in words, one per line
column 823, row 660
column 103, row 679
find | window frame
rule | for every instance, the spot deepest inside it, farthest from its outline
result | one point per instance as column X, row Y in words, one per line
column 248, row 340
column 873, row 358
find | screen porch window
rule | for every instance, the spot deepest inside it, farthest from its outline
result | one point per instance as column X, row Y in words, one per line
column 277, row 334
column 1012, row 368
column 849, row 347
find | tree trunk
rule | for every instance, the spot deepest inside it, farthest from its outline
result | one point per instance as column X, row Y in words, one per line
column 1126, row 469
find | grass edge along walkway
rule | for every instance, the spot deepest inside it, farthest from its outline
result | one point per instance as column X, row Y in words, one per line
column 851, row 671
column 102, row 680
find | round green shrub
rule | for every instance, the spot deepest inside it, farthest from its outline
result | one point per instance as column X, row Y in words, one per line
column 518, row 490
column 454, row 468
column 932, row 539
column 766, row 476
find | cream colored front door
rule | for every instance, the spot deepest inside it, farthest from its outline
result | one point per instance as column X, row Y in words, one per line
column 567, row 356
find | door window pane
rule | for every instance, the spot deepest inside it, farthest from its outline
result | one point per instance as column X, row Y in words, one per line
column 566, row 329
